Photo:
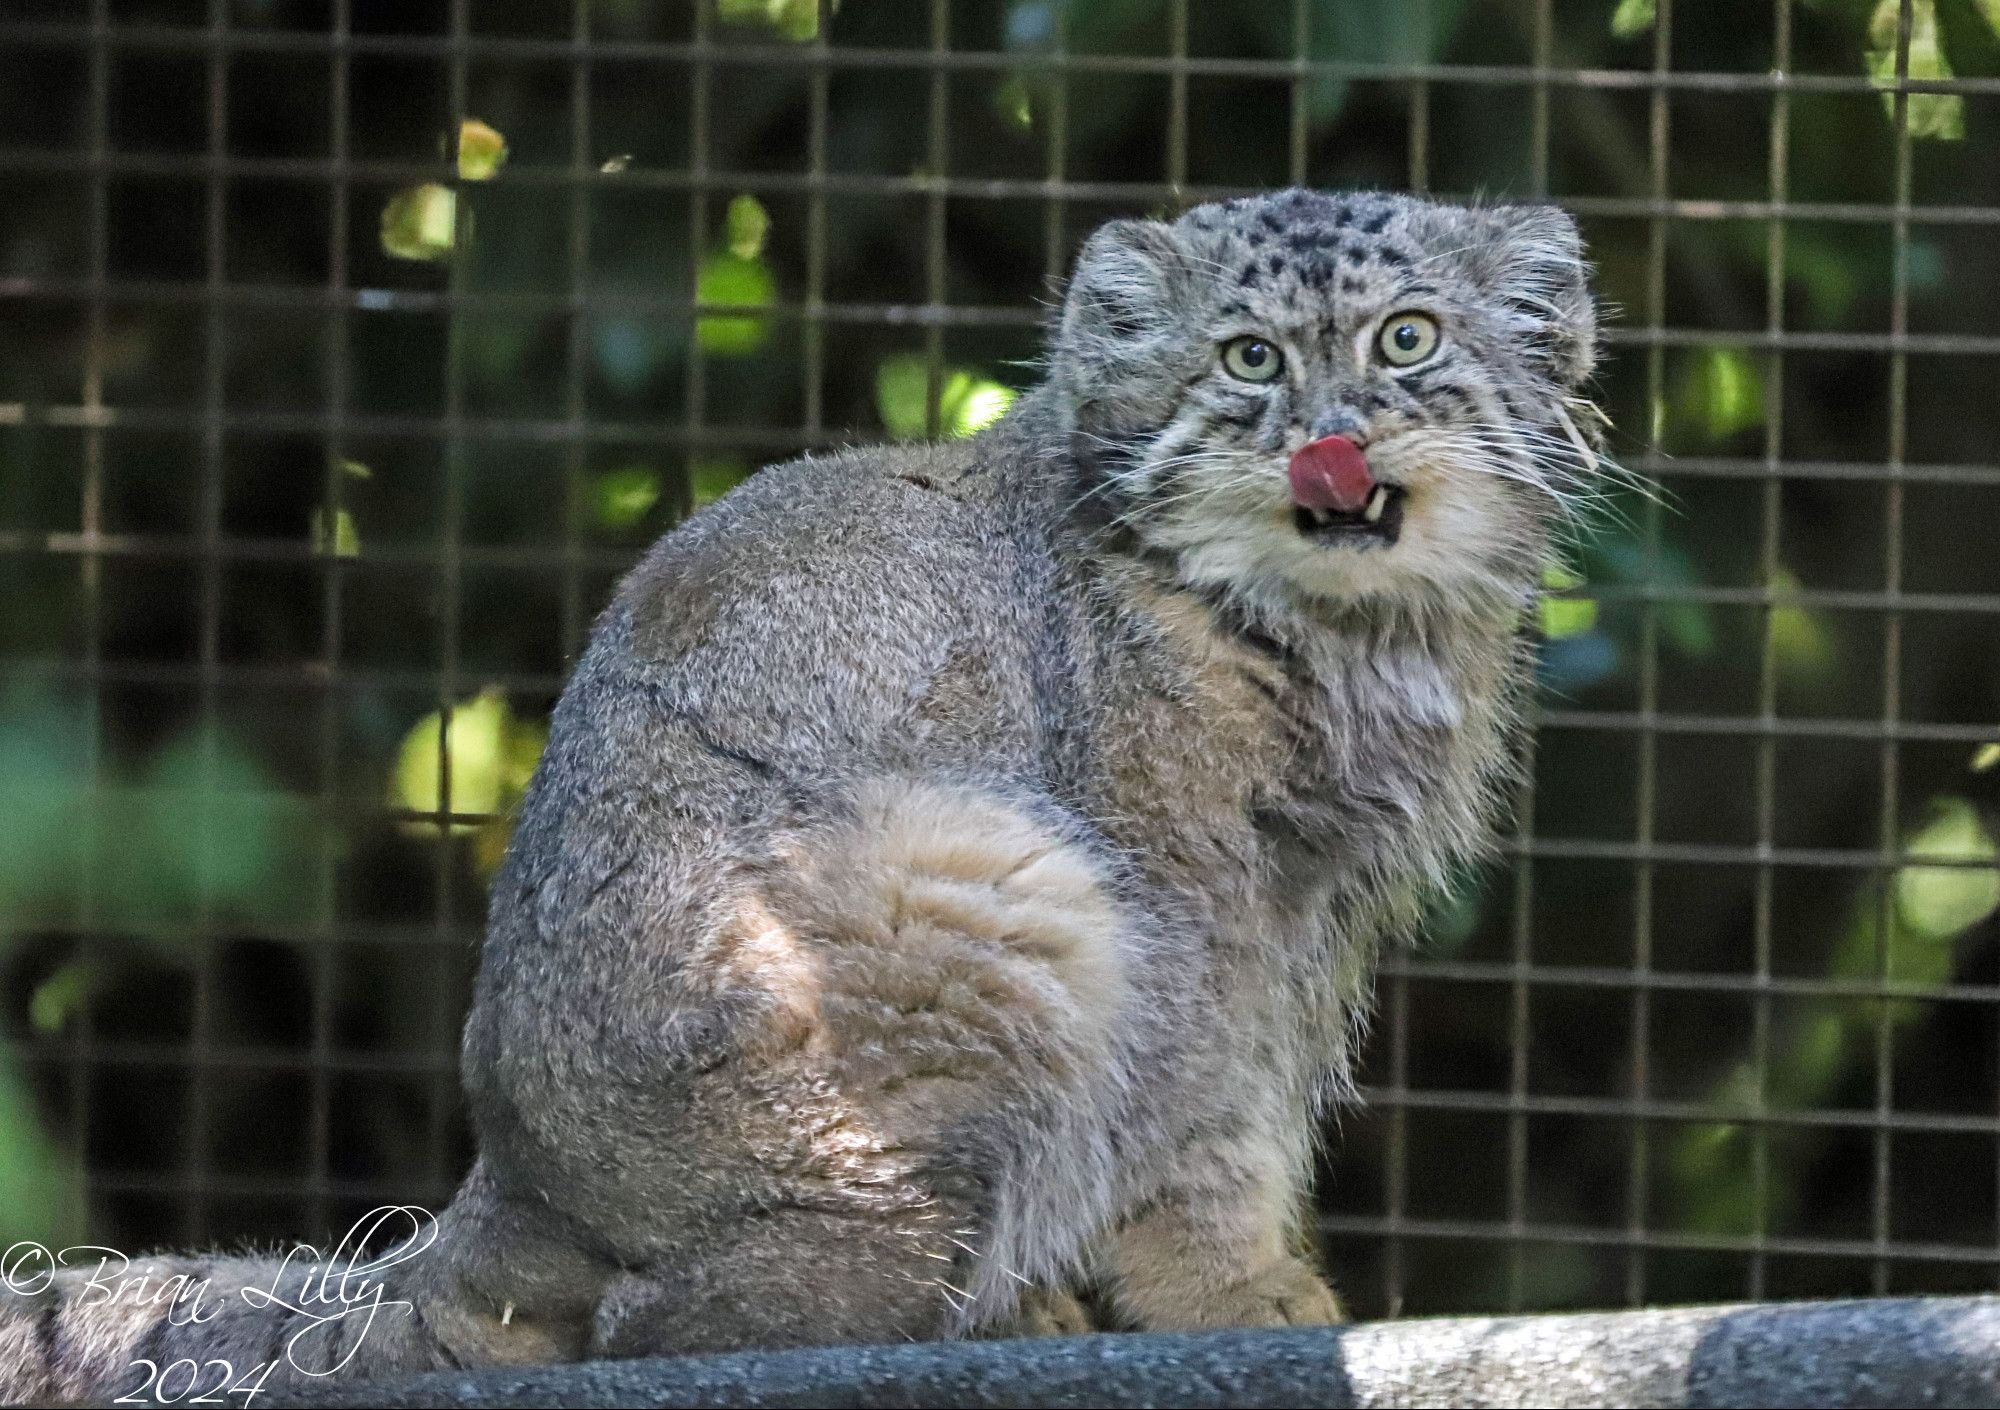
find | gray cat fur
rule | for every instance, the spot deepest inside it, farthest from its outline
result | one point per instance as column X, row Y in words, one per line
column 950, row 892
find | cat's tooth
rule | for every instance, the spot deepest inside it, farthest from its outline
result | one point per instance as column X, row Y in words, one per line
column 1377, row 502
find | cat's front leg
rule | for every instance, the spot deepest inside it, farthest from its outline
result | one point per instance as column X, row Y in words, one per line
column 1219, row 1245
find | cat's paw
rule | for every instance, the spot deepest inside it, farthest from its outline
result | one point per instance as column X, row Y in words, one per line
column 1045, row 1312
column 1289, row 1293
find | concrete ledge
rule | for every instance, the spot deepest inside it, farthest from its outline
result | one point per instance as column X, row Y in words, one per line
column 1892, row 1352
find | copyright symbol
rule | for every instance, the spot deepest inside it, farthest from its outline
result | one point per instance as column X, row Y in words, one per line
column 27, row 1269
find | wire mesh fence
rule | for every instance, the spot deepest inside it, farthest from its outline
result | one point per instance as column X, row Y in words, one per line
column 353, row 348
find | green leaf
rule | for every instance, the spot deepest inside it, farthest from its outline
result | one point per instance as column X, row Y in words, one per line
column 474, row 741
column 1969, row 30
column 712, row 479
column 745, row 226
column 62, row 995
column 1724, row 392
column 797, row 20
column 202, row 826
column 344, row 542
column 481, row 150
column 218, row 827
column 1942, row 902
column 1799, row 639
column 902, row 396
column 1014, row 102
column 624, row 497
column 1454, row 920
column 1633, row 18
column 421, row 222
column 730, row 279
column 1986, row 758
column 44, row 785
column 967, row 402
column 1689, row 626
column 1565, row 616
column 1938, row 117
column 980, row 401
column 491, row 754
column 1826, row 267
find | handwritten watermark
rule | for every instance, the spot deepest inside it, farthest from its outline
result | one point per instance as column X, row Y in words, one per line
column 327, row 1303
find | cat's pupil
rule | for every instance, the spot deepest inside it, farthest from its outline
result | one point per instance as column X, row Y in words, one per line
column 1254, row 354
column 1407, row 337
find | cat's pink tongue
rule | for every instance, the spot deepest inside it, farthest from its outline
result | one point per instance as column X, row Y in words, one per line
column 1331, row 473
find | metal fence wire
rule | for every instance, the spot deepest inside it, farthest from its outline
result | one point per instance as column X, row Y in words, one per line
column 353, row 347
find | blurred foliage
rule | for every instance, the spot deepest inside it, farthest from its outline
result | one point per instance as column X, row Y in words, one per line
column 966, row 402
column 1564, row 612
column 711, row 479
column 148, row 818
column 1911, row 939
column 344, row 541
column 421, row 222
column 1938, row 903
column 624, row 497
column 475, row 759
column 727, row 278
column 194, row 836
column 791, row 19
column 1801, row 641
column 1634, row 17
column 1939, row 116
column 1723, row 394
column 481, row 151
column 745, row 226
column 201, row 832
column 737, row 275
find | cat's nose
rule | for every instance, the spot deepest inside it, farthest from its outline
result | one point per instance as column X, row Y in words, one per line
column 1340, row 421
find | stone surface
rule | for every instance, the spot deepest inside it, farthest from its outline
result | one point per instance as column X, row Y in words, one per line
column 1892, row 1352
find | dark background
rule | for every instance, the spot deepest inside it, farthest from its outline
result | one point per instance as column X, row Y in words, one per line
column 274, row 494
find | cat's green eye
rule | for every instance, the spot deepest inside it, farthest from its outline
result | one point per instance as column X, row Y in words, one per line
column 1407, row 338
column 1252, row 359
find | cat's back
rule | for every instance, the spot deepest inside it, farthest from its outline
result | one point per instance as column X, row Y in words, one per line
column 873, row 544
column 882, row 610
column 811, row 612
column 876, row 614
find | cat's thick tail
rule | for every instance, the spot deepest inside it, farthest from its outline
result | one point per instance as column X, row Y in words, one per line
column 401, row 1294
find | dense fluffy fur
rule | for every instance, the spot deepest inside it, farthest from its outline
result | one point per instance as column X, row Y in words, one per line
column 954, row 877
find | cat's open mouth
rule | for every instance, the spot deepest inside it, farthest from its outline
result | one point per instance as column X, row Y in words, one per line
column 1378, row 523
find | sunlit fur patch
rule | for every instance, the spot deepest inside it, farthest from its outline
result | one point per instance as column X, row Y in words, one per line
column 929, row 875
column 931, row 954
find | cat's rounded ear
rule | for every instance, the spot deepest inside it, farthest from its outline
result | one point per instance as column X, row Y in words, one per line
column 1122, row 294
column 1534, row 267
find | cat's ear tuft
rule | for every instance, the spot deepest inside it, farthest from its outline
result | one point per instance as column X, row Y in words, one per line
column 1123, row 290
column 1534, row 266
column 1123, row 326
